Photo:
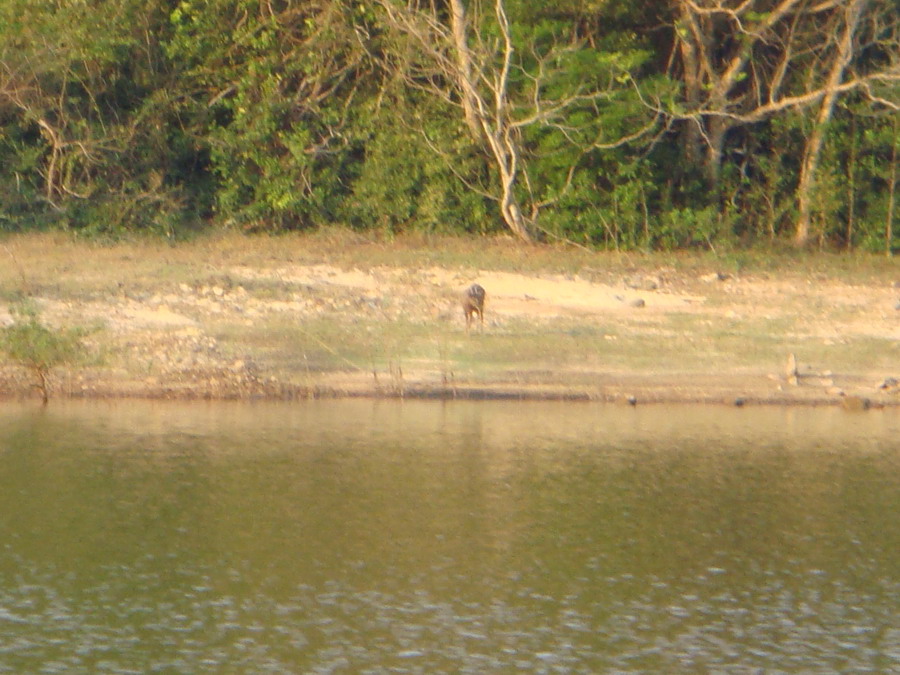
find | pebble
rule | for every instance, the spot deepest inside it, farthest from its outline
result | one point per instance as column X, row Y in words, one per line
column 855, row 403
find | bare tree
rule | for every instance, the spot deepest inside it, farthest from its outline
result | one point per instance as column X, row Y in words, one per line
column 70, row 154
column 500, row 97
column 745, row 61
column 58, row 76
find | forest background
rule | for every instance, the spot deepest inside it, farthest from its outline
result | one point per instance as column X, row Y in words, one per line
column 621, row 125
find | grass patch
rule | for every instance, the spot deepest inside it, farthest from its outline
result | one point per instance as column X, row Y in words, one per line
column 305, row 332
column 72, row 267
column 39, row 348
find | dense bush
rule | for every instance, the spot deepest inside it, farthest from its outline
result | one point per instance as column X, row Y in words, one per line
column 620, row 125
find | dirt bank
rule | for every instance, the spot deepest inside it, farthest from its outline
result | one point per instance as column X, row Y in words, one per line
column 301, row 317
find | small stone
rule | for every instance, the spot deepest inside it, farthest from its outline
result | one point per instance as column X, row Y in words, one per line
column 790, row 372
column 890, row 384
column 855, row 403
column 637, row 303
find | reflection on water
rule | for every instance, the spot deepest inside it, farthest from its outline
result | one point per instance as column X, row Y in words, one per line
column 386, row 537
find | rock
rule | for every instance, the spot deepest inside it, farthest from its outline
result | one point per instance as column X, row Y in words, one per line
column 790, row 372
column 715, row 276
column 642, row 283
column 890, row 384
column 637, row 302
column 855, row 403
column 739, row 401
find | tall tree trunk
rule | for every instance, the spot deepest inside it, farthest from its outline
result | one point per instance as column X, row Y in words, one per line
column 491, row 123
column 506, row 158
column 892, row 190
column 807, row 182
column 718, row 127
column 813, row 151
column 689, row 44
column 464, row 67
column 851, row 184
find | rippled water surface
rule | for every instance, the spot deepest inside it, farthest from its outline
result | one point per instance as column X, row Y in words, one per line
column 387, row 537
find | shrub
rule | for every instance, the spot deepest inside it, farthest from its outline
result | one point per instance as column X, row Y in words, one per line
column 38, row 348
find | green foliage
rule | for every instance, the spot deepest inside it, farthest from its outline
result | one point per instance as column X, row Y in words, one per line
column 89, row 129
column 38, row 348
column 410, row 175
column 688, row 228
column 272, row 103
column 163, row 117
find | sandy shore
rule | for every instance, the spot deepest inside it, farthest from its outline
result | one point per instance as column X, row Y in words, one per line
column 292, row 319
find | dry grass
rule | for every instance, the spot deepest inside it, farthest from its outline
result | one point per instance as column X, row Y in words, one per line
column 51, row 260
column 785, row 302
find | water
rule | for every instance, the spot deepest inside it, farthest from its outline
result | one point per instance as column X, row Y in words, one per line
column 386, row 537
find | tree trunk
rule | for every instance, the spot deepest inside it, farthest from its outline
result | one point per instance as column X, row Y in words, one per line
column 718, row 127
column 892, row 189
column 692, row 131
column 851, row 184
column 492, row 123
column 507, row 160
column 464, row 66
column 806, row 185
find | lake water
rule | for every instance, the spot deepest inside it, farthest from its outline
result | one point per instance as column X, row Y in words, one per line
column 463, row 537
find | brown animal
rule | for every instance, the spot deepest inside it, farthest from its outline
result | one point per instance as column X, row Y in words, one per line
column 472, row 304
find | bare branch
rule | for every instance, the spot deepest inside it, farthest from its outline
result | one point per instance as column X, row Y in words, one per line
column 495, row 91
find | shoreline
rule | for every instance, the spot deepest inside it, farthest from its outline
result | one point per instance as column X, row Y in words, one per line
column 314, row 316
column 643, row 390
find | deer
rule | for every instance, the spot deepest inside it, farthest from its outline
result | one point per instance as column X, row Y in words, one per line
column 472, row 304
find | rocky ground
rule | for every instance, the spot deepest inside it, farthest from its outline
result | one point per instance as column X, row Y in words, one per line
column 637, row 332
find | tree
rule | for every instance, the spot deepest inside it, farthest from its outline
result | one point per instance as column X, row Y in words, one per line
column 518, row 86
column 845, row 39
column 53, row 86
column 273, row 90
column 87, row 115
column 742, row 62
column 38, row 348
